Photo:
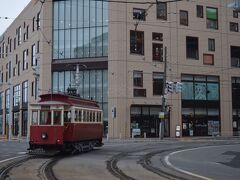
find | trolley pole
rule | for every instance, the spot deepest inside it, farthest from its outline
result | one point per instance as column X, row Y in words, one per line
column 163, row 109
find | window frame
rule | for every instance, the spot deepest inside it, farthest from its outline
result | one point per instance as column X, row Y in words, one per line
column 158, row 5
column 137, row 44
column 137, row 81
column 211, row 20
column 141, row 17
column 187, row 54
column 200, row 11
column 183, row 21
column 211, row 44
column 233, row 27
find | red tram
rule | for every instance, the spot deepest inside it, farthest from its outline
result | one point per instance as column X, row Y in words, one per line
column 64, row 123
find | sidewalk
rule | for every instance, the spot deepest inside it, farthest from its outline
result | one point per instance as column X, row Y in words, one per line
column 168, row 139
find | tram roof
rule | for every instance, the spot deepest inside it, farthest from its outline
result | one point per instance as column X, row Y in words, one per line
column 62, row 99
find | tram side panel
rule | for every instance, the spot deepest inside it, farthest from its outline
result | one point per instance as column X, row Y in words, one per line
column 75, row 132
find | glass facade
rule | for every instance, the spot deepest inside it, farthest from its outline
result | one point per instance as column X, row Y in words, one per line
column 236, row 105
column 200, row 105
column 1, row 112
column 80, row 29
column 93, row 85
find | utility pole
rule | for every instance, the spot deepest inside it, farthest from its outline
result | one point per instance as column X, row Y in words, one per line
column 161, row 127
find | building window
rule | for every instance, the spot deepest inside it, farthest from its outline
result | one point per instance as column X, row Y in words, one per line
column 17, row 95
column 33, row 24
column 157, row 36
column 235, row 14
column 233, row 27
column 212, row 18
column 14, row 43
column 19, row 35
column 33, row 88
column 199, row 11
column 236, row 105
column 14, row 71
column 211, row 44
column 25, row 60
column 162, row 10
column 157, row 83
column 27, row 31
column 192, row 47
column 80, row 29
column 139, row 92
column 200, row 105
column 157, row 52
column 235, row 56
column 208, row 59
column 137, row 78
column 38, row 21
column 3, row 50
column 184, row 18
column 10, row 45
column 137, row 42
column 34, row 59
column 139, row 14
column 19, row 68
column 25, row 92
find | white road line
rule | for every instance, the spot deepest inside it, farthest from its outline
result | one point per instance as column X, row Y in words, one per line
column 166, row 159
column 22, row 153
column 5, row 160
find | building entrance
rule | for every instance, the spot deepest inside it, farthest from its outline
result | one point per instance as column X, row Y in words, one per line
column 145, row 121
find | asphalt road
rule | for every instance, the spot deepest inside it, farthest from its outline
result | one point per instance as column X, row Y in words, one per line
column 11, row 149
column 214, row 162
column 206, row 159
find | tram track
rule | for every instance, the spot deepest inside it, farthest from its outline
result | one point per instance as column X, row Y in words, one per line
column 8, row 166
column 164, row 170
column 44, row 170
column 146, row 162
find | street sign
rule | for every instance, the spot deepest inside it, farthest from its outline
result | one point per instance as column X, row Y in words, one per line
column 161, row 115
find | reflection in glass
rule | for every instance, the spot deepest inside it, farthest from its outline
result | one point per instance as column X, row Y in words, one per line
column 200, row 91
column 213, row 91
column 187, row 91
column 86, row 42
column 80, row 29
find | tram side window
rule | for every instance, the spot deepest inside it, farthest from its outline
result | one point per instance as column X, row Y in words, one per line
column 34, row 117
column 45, row 118
column 90, row 116
column 87, row 118
column 94, row 116
column 99, row 116
column 80, row 115
column 76, row 116
column 84, row 116
column 57, row 117
column 67, row 116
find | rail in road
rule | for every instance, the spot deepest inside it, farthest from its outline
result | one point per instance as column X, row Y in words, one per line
column 45, row 170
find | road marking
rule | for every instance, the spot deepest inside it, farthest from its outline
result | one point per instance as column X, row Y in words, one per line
column 166, row 159
column 5, row 160
column 22, row 153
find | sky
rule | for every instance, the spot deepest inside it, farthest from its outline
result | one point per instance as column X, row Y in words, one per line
column 10, row 8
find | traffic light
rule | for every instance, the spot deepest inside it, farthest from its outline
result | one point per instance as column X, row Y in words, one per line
column 170, row 87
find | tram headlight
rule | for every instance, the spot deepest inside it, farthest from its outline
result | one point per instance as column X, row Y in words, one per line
column 44, row 135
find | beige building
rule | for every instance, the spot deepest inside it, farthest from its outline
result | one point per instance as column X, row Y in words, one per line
column 119, row 49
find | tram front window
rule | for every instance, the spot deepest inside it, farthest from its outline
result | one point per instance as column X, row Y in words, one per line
column 57, row 117
column 34, row 117
column 45, row 118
